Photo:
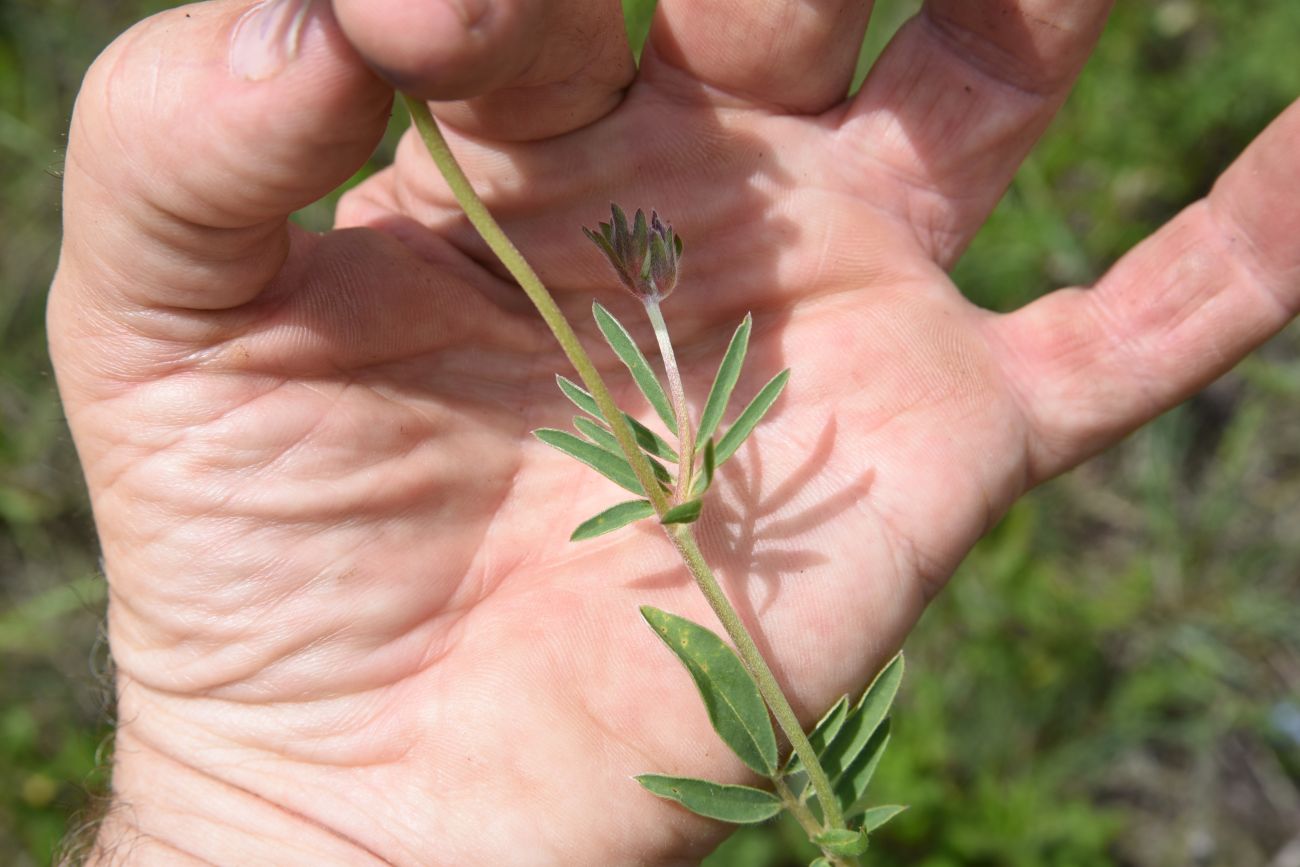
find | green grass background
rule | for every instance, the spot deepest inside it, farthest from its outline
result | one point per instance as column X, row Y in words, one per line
column 1114, row 675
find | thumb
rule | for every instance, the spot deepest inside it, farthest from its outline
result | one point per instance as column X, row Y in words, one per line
column 195, row 135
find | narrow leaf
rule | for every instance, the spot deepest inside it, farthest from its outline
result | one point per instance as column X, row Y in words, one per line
column 879, row 697
column 628, row 352
column 705, row 480
column 686, row 513
column 878, row 816
column 842, row 841
column 853, row 783
column 646, row 438
column 864, row 719
column 612, row 519
column 580, row 397
column 650, row 441
column 823, row 733
column 751, row 416
column 610, row 466
column 730, row 695
column 598, row 434
column 739, row 804
column 725, row 381
column 602, row 437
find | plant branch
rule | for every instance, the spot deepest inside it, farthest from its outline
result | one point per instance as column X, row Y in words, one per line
column 685, row 429
column 528, row 280
column 758, row 667
column 680, row 534
column 808, row 821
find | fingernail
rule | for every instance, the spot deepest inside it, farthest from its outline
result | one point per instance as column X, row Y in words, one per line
column 267, row 38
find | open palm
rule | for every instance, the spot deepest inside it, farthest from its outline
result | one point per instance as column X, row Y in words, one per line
column 348, row 624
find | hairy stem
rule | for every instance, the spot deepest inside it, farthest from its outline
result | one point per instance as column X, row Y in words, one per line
column 808, row 821
column 685, row 429
column 768, row 687
column 680, row 534
column 527, row 278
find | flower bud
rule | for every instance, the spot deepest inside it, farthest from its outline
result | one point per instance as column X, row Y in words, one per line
column 644, row 254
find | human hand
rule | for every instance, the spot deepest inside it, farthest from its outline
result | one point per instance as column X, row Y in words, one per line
column 347, row 623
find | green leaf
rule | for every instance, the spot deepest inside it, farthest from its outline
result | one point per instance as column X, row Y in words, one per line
column 686, row 513
column 879, row 697
column 853, row 783
column 598, row 434
column 821, row 862
column 612, row 519
column 878, row 816
column 823, row 733
column 612, row 467
column 581, row 398
column 739, row 804
column 864, row 719
column 626, row 349
column 710, row 462
column 651, row 441
column 646, row 438
column 725, row 381
column 730, row 695
column 842, row 841
column 604, row 438
column 752, row 415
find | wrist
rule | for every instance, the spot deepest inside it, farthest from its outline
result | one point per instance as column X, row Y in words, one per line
column 167, row 810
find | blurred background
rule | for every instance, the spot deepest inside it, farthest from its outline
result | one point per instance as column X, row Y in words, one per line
column 1114, row 675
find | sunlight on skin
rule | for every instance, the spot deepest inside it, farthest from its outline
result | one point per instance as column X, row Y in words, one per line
column 343, row 602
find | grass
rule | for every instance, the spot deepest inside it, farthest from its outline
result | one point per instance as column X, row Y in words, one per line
column 1113, row 678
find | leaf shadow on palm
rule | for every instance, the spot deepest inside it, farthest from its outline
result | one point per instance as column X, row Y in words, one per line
column 751, row 533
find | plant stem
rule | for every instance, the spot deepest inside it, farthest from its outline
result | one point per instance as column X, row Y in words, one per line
column 527, row 278
column 808, row 821
column 680, row 534
column 758, row 667
column 685, row 429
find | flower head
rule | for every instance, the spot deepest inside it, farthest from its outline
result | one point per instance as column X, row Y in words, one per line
column 644, row 254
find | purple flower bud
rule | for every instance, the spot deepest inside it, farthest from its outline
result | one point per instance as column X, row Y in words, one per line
column 644, row 255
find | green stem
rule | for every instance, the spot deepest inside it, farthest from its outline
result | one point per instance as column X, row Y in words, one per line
column 808, row 821
column 680, row 534
column 685, row 429
column 527, row 278
column 763, row 676
column 798, row 809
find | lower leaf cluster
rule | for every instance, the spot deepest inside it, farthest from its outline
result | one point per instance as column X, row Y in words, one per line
column 849, row 741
